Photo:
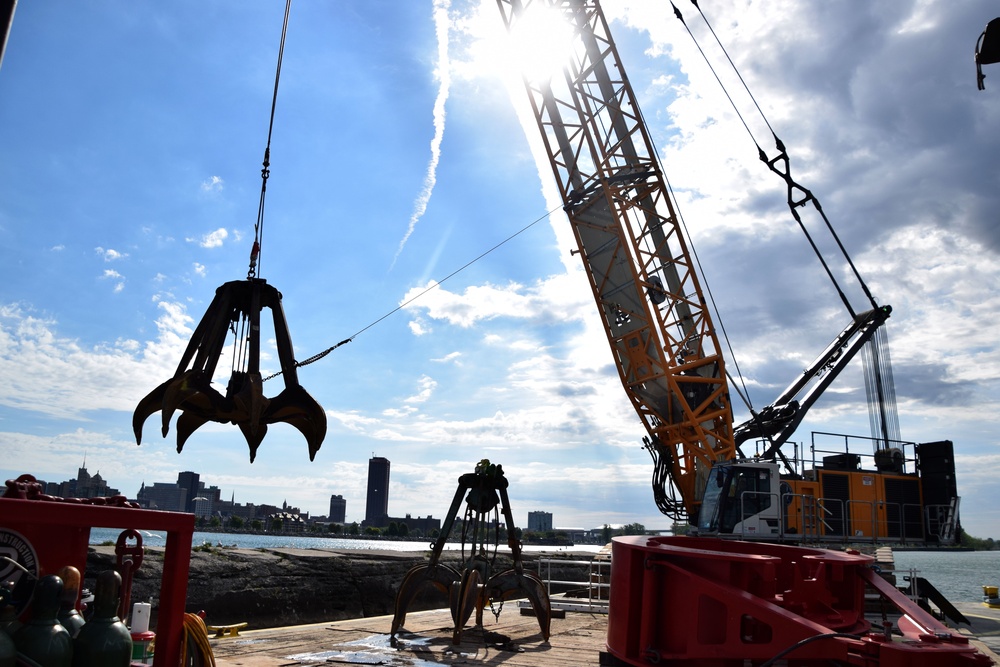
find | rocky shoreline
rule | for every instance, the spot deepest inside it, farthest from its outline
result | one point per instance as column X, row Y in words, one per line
column 278, row 587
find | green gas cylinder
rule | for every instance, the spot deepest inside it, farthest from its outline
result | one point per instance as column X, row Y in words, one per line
column 43, row 639
column 69, row 617
column 8, row 654
column 104, row 641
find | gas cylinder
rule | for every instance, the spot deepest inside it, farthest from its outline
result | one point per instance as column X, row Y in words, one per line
column 104, row 641
column 43, row 639
column 70, row 618
column 8, row 654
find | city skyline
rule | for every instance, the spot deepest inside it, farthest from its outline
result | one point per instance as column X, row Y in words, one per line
column 189, row 489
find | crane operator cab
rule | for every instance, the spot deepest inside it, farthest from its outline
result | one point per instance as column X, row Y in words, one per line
column 742, row 499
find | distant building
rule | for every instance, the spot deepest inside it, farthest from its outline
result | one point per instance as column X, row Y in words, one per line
column 84, row 486
column 377, row 506
column 161, row 496
column 189, row 482
column 426, row 526
column 201, row 507
column 189, row 494
column 338, row 509
column 539, row 522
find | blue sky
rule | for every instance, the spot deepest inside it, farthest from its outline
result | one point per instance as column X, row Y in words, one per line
column 132, row 137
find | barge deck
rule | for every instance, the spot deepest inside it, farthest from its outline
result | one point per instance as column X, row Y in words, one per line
column 512, row 640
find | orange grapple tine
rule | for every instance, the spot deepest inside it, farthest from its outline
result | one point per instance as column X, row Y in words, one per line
column 254, row 436
column 188, row 423
column 313, row 433
column 463, row 604
column 540, row 603
column 509, row 584
column 296, row 407
column 419, row 576
column 152, row 402
column 178, row 390
column 250, row 401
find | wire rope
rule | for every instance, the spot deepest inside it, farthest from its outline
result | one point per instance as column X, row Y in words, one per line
column 265, row 172
column 785, row 170
column 241, row 331
column 404, row 304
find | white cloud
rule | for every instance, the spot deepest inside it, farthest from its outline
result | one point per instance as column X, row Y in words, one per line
column 212, row 184
column 556, row 298
column 418, row 327
column 451, row 357
column 199, row 269
column 426, row 387
column 109, row 254
column 119, row 280
column 400, row 412
column 59, row 377
column 213, row 239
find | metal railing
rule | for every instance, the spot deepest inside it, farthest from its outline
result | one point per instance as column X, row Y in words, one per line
column 828, row 520
column 597, row 585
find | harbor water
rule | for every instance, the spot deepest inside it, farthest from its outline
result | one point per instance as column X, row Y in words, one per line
column 259, row 541
column 959, row 575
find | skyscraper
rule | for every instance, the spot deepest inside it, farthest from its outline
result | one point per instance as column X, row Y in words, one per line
column 189, row 482
column 540, row 521
column 338, row 509
column 377, row 506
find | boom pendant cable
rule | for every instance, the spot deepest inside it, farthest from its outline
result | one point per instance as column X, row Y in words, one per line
column 878, row 376
column 797, row 195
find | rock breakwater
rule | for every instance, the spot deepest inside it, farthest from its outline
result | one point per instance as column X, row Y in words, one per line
column 278, row 587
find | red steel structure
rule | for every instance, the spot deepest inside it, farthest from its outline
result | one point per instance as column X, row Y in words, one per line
column 59, row 532
column 706, row 602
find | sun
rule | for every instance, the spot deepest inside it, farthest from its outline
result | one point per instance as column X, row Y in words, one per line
column 537, row 49
column 540, row 43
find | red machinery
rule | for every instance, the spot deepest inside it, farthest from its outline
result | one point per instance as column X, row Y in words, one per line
column 686, row 601
column 50, row 534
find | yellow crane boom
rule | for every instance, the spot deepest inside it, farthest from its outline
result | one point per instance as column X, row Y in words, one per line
column 634, row 252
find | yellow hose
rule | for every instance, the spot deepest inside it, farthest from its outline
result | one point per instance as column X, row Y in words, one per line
column 196, row 638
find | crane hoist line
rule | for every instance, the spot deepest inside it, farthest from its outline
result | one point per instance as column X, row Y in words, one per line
column 645, row 282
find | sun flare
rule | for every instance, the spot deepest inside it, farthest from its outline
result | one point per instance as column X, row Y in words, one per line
column 540, row 42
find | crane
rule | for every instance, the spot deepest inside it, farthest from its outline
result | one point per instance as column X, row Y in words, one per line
column 662, row 336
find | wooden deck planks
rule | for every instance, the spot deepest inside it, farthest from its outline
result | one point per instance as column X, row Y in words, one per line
column 576, row 641
column 513, row 641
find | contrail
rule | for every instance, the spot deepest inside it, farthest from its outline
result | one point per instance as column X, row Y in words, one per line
column 444, row 76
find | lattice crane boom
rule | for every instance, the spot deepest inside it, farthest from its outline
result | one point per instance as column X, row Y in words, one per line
column 635, row 255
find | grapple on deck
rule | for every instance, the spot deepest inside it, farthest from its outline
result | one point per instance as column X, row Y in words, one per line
column 237, row 304
column 471, row 589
